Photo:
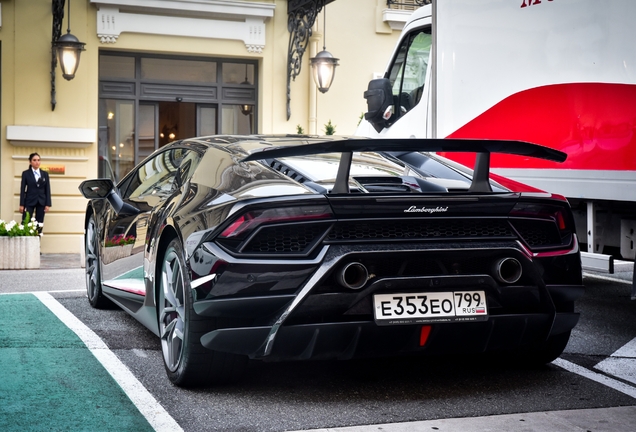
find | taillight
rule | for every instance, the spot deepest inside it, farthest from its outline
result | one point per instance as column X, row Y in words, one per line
column 543, row 226
column 247, row 222
column 557, row 214
column 238, row 226
column 560, row 220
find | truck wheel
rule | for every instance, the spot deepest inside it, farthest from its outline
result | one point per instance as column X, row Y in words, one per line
column 93, row 275
column 187, row 362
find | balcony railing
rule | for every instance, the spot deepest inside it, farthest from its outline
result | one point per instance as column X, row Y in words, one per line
column 408, row 5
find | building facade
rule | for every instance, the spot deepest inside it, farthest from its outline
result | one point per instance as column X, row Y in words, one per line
column 158, row 70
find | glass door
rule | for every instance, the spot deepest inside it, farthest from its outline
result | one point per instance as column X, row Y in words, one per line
column 207, row 120
column 148, row 118
column 117, row 138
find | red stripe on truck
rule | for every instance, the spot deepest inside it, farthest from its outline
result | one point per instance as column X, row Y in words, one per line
column 594, row 123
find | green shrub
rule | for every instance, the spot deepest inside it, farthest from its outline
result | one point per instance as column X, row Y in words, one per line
column 329, row 128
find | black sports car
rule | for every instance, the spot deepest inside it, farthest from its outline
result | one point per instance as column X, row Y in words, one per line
column 232, row 248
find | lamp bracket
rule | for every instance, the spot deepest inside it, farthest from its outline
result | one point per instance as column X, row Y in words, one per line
column 58, row 17
column 301, row 16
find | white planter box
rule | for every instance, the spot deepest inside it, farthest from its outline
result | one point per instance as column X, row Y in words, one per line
column 114, row 253
column 18, row 253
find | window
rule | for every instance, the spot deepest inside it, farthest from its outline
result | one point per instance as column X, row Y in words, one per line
column 155, row 179
column 150, row 100
column 116, row 137
column 163, row 69
column 116, row 67
column 207, row 120
column 409, row 70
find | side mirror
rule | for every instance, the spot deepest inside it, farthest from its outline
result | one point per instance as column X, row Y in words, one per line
column 95, row 189
column 105, row 189
column 379, row 96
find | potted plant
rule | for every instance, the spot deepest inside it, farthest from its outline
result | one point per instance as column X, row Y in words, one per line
column 20, row 244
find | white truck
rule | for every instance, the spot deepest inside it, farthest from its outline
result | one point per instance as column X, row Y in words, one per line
column 560, row 73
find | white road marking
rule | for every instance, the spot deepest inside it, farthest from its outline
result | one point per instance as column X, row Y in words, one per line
column 34, row 292
column 156, row 415
column 594, row 376
column 622, row 363
column 627, row 350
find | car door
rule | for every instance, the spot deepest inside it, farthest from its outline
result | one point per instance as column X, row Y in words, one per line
column 127, row 232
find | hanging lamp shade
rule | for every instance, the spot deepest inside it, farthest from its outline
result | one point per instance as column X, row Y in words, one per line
column 247, row 109
column 324, row 69
column 68, row 49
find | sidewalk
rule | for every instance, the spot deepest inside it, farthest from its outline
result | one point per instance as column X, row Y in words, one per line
column 616, row 419
column 60, row 261
column 57, row 272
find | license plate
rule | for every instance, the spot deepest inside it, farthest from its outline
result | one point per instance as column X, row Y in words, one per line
column 431, row 307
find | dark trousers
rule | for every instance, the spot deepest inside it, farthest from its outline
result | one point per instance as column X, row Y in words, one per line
column 36, row 211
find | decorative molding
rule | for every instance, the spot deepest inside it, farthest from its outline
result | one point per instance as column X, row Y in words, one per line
column 22, row 157
column 45, row 136
column 211, row 19
column 229, row 8
column 396, row 18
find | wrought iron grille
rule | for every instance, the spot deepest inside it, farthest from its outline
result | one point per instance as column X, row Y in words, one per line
column 406, row 4
column 58, row 16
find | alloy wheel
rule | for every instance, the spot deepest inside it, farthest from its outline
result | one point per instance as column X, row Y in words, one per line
column 92, row 262
column 172, row 310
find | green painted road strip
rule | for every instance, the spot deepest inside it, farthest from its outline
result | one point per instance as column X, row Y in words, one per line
column 57, row 375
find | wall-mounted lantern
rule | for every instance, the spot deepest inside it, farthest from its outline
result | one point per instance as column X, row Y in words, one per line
column 324, row 64
column 66, row 49
column 324, row 68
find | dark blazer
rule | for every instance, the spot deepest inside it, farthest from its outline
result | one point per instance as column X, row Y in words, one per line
column 34, row 193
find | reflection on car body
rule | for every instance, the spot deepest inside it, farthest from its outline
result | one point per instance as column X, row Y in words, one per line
column 297, row 248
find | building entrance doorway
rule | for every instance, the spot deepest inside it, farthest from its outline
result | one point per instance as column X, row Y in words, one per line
column 147, row 102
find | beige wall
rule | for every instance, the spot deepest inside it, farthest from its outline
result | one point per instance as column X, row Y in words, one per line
column 355, row 34
column 26, row 101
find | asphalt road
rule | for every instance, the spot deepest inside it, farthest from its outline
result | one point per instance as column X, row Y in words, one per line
column 320, row 395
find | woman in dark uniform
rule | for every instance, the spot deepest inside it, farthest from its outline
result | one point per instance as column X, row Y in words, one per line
column 35, row 190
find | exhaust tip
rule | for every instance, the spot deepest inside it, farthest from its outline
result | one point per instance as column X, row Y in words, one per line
column 353, row 275
column 508, row 270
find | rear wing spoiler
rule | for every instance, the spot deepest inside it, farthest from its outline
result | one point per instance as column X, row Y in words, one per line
column 347, row 146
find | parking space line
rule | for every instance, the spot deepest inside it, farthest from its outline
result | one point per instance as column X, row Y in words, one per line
column 627, row 350
column 622, row 363
column 594, row 376
column 147, row 405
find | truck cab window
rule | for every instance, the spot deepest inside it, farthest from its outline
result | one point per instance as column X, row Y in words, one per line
column 408, row 72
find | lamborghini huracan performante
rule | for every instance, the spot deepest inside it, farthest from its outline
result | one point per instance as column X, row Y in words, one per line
column 232, row 248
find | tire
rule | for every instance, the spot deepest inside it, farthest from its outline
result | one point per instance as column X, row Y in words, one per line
column 187, row 362
column 93, row 275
